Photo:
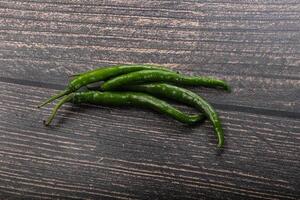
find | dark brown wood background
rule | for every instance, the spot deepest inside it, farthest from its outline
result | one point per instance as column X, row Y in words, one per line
column 101, row 152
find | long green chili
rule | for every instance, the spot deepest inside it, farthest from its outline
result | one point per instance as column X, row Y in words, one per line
column 148, row 76
column 184, row 96
column 128, row 99
column 100, row 74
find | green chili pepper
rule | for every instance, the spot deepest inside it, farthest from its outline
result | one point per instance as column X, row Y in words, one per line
column 128, row 99
column 186, row 97
column 147, row 66
column 146, row 76
column 100, row 75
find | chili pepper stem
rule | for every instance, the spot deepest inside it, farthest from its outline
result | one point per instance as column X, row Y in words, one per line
column 54, row 98
column 75, row 75
column 55, row 109
column 220, row 143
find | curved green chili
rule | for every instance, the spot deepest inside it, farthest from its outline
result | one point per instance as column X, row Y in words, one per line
column 126, row 98
column 186, row 97
column 100, row 75
column 146, row 76
column 152, row 66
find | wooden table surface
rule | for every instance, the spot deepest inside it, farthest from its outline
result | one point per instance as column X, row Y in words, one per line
column 98, row 152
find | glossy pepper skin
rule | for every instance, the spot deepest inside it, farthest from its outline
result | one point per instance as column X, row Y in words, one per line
column 126, row 99
column 100, row 74
column 148, row 76
column 184, row 96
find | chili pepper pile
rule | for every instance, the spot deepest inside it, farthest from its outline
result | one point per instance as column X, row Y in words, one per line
column 142, row 85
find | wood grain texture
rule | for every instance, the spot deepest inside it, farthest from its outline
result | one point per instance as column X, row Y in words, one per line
column 129, row 153
column 248, row 47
